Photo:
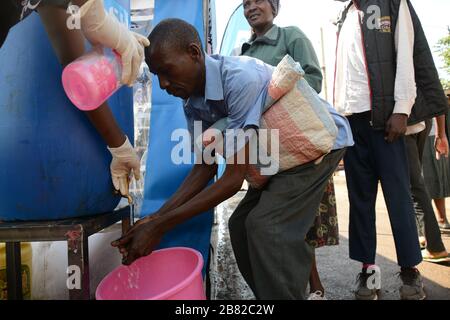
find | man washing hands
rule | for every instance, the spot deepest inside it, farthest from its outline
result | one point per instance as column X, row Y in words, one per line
column 272, row 219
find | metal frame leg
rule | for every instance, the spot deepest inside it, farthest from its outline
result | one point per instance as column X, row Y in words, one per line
column 126, row 225
column 14, row 271
column 78, row 259
column 127, row 222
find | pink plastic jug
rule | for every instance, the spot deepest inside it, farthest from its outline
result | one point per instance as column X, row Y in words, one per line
column 167, row 274
column 93, row 78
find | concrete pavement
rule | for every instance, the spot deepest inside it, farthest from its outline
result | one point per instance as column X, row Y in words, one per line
column 337, row 271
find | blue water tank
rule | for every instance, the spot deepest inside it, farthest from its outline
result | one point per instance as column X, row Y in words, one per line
column 53, row 163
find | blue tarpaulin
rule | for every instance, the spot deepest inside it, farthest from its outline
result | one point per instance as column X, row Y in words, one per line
column 163, row 177
column 236, row 33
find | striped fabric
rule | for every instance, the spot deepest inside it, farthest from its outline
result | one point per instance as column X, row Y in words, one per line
column 307, row 130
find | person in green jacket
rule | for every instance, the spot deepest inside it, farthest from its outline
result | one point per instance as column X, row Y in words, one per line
column 270, row 44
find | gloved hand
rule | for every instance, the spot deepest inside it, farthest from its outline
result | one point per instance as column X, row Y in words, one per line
column 124, row 160
column 101, row 28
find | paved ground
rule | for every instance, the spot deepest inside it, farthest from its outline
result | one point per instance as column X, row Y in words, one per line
column 337, row 271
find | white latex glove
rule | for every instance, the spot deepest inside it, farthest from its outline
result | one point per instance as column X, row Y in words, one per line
column 101, row 28
column 124, row 160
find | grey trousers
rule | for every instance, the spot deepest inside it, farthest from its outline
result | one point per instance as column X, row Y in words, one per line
column 269, row 226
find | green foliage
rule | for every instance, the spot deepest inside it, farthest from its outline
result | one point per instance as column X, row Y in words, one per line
column 445, row 84
column 443, row 48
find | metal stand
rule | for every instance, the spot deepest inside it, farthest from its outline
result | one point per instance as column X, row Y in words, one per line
column 75, row 231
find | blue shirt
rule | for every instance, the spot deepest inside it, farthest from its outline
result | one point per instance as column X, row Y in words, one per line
column 236, row 88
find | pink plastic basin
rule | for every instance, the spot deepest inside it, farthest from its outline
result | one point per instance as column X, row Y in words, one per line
column 167, row 274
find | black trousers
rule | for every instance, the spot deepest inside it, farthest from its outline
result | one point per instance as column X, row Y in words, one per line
column 415, row 145
column 369, row 161
column 12, row 11
column 9, row 16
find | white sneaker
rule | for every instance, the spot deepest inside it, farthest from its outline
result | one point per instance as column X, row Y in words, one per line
column 317, row 296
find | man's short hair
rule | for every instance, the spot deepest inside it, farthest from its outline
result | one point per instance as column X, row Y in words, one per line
column 173, row 34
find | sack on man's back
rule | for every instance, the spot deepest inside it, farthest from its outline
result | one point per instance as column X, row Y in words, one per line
column 306, row 128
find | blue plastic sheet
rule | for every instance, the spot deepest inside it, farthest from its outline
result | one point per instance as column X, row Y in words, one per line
column 236, row 33
column 54, row 165
column 164, row 177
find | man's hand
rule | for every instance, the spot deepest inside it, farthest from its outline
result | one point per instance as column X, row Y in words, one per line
column 441, row 147
column 208, row 137
column 101, row 28
column 124, row 161
column 141, row 239
column 396, row 127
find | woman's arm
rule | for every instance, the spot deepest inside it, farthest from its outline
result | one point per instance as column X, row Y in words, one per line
column 68, row 46
column 441, row 141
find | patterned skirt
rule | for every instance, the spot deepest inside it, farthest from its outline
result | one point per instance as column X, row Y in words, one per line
column 325, row 231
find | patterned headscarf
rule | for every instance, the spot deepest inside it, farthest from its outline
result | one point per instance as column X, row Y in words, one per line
column 275, row 6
